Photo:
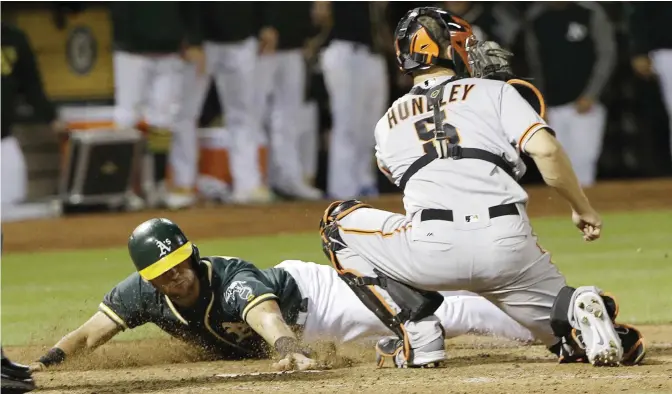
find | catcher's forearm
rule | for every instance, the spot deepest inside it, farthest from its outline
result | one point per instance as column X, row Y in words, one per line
column 556, row 169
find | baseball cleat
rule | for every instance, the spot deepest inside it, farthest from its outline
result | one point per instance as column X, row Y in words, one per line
column 431, row 355
column 611, row 304
column 16, row 378
column 598, row 336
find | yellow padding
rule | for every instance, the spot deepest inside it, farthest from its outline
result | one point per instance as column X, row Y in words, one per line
column 167, row 262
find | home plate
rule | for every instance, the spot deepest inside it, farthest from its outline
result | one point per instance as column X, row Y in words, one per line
column 237, row 375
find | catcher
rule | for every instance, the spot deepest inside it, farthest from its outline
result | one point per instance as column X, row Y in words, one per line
column 233, row 310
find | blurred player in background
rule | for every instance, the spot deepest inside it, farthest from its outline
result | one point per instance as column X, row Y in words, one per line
column 20, row 78
column 556, row 33
column 356, row 79
column 231, row 44
column 281, row 77
column 150, row 41
column 490, row 22
column 651, row 40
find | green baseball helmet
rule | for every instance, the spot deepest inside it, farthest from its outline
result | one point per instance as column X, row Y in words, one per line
column 158, row 245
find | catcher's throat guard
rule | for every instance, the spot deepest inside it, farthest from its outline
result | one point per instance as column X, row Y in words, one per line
column 414, row 304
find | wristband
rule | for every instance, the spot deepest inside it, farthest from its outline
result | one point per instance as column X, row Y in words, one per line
column 53, row 356
column 286, row 345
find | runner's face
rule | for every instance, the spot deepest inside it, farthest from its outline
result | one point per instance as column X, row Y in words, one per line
column 179, row 283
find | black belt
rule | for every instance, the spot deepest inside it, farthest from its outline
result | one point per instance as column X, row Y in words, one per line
column 447, row 214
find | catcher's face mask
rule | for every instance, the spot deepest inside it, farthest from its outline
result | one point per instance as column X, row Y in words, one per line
column 418, row 49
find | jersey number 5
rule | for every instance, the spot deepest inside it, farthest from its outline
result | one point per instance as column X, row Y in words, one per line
column 427, row 135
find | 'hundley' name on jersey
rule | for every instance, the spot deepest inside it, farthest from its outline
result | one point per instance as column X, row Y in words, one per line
column 420, row 105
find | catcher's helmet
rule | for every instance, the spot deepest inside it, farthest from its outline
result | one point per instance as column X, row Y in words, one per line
column 158, row 245
column 418, row 48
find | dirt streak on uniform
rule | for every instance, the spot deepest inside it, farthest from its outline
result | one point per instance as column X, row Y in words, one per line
column 229, row 289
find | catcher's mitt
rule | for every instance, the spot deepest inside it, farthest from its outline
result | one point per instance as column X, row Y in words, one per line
column 488, row 60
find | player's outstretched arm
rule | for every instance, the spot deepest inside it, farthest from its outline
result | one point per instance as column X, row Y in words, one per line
column 266, row 319
column 555, row 167
column 95, row 332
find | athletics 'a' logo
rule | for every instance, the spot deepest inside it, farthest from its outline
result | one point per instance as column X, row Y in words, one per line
column 164, row 247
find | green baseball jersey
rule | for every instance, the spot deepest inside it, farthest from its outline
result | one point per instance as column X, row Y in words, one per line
column 230, row 288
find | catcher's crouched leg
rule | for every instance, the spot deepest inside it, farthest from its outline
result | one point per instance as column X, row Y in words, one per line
column 413, row 305
column 572, row 347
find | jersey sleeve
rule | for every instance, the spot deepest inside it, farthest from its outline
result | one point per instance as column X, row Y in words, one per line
column 123, row 304
column 246, row 290
column 519, row 120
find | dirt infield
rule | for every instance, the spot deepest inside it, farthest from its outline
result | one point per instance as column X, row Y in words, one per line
column 477, row 365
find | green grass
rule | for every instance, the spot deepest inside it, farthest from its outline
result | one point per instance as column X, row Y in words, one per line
column 44, row 295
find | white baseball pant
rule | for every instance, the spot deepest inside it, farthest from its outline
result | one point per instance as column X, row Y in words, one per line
column 582, row 136
column 14, row 172
column 147, row 87
column 497, row 258
column 281, row 86
column 662, row 64
column 356, row 84
column 309, row 123
column 232, row 65
column 375, row 105
column 336, row 314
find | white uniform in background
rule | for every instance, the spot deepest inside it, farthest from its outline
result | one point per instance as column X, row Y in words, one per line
column 233, row 68
column 662, row 64
column 14, row 173
column 356, row 80
column 282, row 86
column 149, row 88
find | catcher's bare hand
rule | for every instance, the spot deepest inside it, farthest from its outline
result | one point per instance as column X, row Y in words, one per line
column 589, row 223
column 295, row 361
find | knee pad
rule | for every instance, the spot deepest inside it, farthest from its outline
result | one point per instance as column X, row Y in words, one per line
column 338, row 210
column 331, row 239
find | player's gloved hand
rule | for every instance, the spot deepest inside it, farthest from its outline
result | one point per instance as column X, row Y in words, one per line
column 589, row 223
column 295, row 361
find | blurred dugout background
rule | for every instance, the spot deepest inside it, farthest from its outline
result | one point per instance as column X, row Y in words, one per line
column 74, row 45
